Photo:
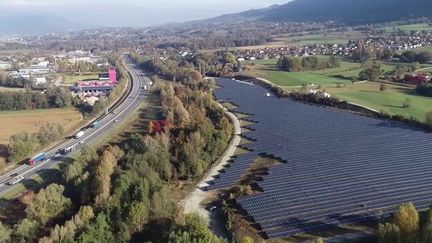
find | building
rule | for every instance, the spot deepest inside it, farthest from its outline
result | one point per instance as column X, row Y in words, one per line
column 105, row 84
column 94, row 88
column 34, row 70
column 5, row 65
column 110, row 75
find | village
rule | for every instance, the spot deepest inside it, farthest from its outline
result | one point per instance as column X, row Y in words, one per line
column 87, row 75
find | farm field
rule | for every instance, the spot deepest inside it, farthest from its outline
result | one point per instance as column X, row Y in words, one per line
column 328, row 38
column 408, row 27
column 30, row 121
column 365, row 94
column 72, row 79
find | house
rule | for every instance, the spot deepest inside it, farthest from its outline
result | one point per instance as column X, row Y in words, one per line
column 34, row 70
column 5, row 65
column 40, row 80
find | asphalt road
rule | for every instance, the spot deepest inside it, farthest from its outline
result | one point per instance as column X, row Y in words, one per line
column 91, row 135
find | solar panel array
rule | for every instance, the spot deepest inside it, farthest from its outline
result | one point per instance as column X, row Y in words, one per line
column 338, row 167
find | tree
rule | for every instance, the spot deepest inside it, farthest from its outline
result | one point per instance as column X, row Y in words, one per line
column 5, row 233
column 98, row 231
column 383, row 87
column 26, row 230
column 407, row 219
column 137, row 216
column 423, row 57
column 48, row 204
column 195, row 230
column 247, row 239
column 371, row 73
column 229, row 58
column 426, row 234
column 21, row 145
column 197, row 227
column 407, row 103
column 67, row 232
column 389, row 233
column 334, row 61
column 408, row 56
column 102, row 179
column 49, row 133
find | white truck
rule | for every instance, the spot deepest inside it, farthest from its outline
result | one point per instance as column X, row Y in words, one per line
column 79, row 134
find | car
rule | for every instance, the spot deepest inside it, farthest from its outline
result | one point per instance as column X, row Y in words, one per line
column 116, row 120
column 82, row 142
column 15, row 180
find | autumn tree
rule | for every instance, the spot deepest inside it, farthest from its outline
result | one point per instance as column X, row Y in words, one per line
column 48, row 204
column 26, row 230
column 103, row 172
column 5, row 233
column 247, row 239
column 407, row 219
column 67, row 232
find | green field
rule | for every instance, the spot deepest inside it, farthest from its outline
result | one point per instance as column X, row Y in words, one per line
column 72, row 79
column 408, row 27
column 365, row 94
column 267, row 69
column 320, row 39
column 389, row 101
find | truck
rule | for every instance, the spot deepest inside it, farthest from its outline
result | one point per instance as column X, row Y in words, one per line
column 95, row 125
column 38, row 158
column 67, row 150
column 79, row 134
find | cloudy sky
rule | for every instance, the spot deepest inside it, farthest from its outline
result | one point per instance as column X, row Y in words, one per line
column 130, row 12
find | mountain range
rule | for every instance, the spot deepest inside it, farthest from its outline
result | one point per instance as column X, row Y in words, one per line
column 349, row 12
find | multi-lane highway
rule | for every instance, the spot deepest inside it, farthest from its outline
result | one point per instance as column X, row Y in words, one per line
column 107, row 122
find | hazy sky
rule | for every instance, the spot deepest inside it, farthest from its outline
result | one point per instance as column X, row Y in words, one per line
column 130, row 12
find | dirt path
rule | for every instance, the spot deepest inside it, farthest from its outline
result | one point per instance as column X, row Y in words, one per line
column 193, row 203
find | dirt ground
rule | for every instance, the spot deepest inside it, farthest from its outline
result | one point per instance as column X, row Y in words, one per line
column 198, row 200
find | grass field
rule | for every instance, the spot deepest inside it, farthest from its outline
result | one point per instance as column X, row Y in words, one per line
column 267, row 69
column 72, row 79
column 30, row 121
column 365, row 94
column 389, row 101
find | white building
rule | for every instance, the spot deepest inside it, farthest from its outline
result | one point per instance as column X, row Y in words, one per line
column 40, row 80
column 34, row 70
column 5, row 65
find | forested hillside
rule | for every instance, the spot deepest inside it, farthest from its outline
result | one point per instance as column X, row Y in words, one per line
column 344, row 11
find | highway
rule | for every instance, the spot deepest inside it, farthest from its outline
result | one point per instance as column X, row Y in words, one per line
column 140, row 83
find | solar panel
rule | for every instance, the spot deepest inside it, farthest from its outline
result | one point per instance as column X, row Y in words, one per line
column 338, row 167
